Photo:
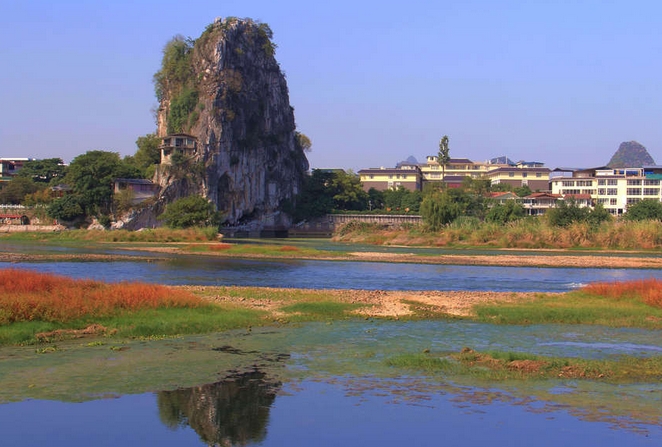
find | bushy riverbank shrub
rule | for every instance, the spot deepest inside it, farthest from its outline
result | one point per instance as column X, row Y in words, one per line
column 529, row 233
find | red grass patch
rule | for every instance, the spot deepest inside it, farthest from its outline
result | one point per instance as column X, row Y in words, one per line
column 289, row 248
column 647, row 290
column 220, row 247
column 30, row 296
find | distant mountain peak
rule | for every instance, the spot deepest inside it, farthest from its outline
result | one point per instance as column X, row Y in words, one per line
column 630, row 154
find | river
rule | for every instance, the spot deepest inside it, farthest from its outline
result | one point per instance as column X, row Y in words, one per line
column 325, row 384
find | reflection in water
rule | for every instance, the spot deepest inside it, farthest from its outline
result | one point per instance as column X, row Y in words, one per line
column 234, row 411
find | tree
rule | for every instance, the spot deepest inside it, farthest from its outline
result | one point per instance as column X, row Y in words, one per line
column 444, row 155
column 348, row 192
column 148, row 152
column 15, row 191
column 522, row 191
column 599, row 214
column 91, row 175
column 67, row 208
column 439, row 209
column 43, row 171
column 565, row 213
column 316, row 197
column 648, row 209
column 188, row 212
column 508, row 212
column 303, row 141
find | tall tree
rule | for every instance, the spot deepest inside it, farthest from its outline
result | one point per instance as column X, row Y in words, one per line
column 91, row 177
column 148, row 152
column 444, row 155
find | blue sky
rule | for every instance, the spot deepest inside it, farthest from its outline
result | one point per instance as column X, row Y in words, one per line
column 372, row 82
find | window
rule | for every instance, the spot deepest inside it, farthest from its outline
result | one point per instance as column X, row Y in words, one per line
column 568, row 183
column 602, row 201
column 612, row 182
column 538, row 174
column 524, row 174
column 584, row 183
column 613, row 202
column 602, row 191
column 602, row 182
column 612, row 191
column 651, row 183
column 651, row 191
column 511, row 174
column 633, row 191
column 570, row 191
column 634, row 182
column 372, row 176
column 632, row 200
column 390, row 177
column 404, row 176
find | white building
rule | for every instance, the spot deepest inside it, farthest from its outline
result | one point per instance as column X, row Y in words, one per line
column 614, row 188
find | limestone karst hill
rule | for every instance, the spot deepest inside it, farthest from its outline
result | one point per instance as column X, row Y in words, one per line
column 631, row 154
column 224, row 97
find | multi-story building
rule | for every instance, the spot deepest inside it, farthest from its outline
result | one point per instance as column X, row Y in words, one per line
column 10, row 166
column 531, row 174
column 432, row 171
column 415, row 176
column 613, row 188
column 181, row 143
column 406, row 175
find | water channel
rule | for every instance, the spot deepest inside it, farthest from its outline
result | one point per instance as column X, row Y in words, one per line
column 325, row 384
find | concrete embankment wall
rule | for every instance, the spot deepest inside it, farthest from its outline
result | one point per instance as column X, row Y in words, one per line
column 325, row 226
column 31, row 228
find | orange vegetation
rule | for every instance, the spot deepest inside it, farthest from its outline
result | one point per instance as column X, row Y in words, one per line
column 220, row 246
column 289, row 248
column 26, row 296
column 648, row 290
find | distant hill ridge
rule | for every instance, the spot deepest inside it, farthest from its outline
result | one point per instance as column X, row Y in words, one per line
column 631, row 154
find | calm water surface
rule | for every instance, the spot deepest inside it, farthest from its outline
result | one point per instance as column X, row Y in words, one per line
column 339, row 274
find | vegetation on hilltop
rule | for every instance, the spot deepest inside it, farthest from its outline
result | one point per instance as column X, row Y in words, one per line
column 630, row 154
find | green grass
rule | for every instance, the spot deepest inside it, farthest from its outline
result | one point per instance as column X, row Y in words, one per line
column 573, row 308
column 140, row 324
column 147, row 235
column 261, row 250
column 499, row 366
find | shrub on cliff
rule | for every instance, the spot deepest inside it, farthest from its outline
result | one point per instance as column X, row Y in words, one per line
column 193, row 211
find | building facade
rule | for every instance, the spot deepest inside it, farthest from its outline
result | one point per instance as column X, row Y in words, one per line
column 407, row 176
column 181, row 143
column 613, row 188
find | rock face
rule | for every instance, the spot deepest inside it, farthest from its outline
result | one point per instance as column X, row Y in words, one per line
column 631, row 154
column 227, row 90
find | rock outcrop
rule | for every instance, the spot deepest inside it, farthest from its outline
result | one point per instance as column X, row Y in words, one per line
column 226, row 90
column 631, row 154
